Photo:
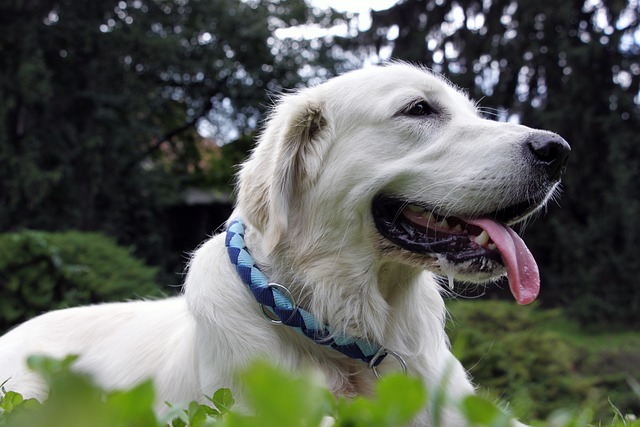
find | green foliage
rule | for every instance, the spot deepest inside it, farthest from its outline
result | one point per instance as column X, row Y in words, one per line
column 41, row 271
column 222, row 165
column 75, row 401
column 481, row 411
column 398, row 399
column 281, row 400
column 519, row 354
column 101, row 101
column 278, row 399
column 196, row 415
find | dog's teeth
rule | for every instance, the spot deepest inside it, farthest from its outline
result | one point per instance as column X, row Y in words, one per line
column 427, row 215
column 443, row 224
column 482, row 238
column 457, row 228
column 492, row 246
column 415, row 208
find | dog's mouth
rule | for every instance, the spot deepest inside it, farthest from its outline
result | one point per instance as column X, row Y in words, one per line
column 476, row 249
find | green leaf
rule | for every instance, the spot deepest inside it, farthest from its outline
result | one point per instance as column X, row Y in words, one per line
column 176, row 416
column 10, row 401
column 135, row 404
column 178, row 422
column 280, row 400
column 400, row 398
column 223, row 400
column 46, row 365
column 197, row 414
column 484, row 412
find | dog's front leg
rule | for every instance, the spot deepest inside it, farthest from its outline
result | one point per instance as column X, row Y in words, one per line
column 447, row 385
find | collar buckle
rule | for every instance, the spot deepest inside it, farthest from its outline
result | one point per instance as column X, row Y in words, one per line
column 268, row 311
column 380, row 355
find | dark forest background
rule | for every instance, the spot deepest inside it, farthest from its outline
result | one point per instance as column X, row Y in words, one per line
column 126, row 117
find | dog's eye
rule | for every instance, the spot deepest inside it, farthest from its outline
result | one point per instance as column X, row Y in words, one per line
column 421, row 108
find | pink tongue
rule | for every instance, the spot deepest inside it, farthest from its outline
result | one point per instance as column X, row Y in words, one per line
column 522, row 270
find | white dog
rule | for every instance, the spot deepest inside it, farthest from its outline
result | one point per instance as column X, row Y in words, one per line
column 356, row 187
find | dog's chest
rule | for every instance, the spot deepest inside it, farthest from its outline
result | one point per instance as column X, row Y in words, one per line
column 352, row 381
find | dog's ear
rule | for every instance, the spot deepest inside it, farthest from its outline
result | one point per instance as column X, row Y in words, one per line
column 286, row 161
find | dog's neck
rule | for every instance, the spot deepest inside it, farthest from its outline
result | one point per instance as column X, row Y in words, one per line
column 354, row 293
column 278, row 301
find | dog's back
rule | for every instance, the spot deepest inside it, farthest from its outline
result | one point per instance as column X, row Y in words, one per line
column 118, row 344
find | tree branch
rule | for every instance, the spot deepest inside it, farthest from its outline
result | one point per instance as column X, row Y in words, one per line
column 171, row 134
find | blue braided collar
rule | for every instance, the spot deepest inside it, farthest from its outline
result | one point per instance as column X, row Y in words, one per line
column 277, row 300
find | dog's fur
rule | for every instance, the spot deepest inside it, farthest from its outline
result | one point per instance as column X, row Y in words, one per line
column 306, row 194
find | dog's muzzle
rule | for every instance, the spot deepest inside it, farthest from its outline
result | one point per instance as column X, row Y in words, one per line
column 483, row 245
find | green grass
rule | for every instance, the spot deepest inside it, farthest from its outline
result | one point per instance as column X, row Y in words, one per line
column 596, row 337
column 541, row 361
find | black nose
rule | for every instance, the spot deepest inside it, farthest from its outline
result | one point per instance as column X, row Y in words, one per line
column 550, row 151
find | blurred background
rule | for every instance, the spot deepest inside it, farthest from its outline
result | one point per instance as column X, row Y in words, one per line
column 121, row 123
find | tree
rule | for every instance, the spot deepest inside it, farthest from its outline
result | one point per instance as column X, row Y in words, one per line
column 98, row 95
column 572, row 67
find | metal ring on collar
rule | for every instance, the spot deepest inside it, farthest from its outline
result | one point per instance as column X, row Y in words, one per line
column 383, row 352
column 271, row 317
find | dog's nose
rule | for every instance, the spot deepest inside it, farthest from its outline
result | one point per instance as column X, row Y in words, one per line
column 549, row 150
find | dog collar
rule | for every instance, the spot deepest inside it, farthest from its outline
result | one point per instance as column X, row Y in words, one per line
column 279, row 307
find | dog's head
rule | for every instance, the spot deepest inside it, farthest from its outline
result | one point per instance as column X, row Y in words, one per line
column 395, row 164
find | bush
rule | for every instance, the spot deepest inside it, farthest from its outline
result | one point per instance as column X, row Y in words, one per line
column 616, row 370
column 41, row 271
column 513, row 353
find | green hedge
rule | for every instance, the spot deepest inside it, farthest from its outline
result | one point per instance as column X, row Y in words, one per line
column 540, row 361
column 41, row 271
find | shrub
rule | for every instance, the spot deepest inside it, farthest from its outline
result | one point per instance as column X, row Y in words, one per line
column 512, row 353
column 41, row 271
column 616, row 370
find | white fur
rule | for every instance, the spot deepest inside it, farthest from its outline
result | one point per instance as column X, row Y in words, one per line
column 305, row 194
